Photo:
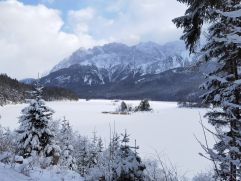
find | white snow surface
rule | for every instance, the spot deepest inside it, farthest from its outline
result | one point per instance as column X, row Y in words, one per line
column 168, row 130
column 8, row 173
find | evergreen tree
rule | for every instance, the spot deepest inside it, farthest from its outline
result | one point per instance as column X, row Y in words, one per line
column 93, row 152
column 114, row 145
column 118, row 163
column 127, row 164
column 100, row 146
column 144, row 106
column 224, row 85
column 123, row 107
column 67, row 158
column 82, row 155
column 35, row 137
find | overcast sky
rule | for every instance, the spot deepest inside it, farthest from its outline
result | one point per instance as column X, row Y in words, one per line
column 37, row 34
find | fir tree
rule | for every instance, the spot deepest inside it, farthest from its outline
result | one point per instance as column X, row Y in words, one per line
column 93, row 152
column 127, row 164
column 67, row 158
column 144, row 106
column 100, row 146
column 82, row 156
column 35, row 137
column 120, row 162
column 123, row 107
column 224, row 85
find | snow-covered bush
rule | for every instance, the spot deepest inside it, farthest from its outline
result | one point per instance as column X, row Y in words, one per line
column 153, row 170
column 158, row 170
column 7, row 142
column 7, row 145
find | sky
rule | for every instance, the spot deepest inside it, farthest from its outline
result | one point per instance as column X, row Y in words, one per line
column 37, row 34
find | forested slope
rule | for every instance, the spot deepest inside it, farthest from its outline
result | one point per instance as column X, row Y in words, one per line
column 12, row 91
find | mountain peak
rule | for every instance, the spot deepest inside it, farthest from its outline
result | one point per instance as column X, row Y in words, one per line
column 148, row 44
column 147, row 55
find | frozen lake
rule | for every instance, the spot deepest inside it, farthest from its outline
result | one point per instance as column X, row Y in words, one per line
column 167, row 130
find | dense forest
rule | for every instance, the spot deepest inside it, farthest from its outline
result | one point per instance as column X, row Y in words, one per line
column 12, row 91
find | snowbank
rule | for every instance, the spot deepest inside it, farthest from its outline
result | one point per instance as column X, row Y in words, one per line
column 8, row 173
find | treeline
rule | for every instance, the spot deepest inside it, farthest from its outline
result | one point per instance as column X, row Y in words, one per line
column 58, row 93
column 13, row 91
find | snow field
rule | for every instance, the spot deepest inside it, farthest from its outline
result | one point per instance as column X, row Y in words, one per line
column 168, row 130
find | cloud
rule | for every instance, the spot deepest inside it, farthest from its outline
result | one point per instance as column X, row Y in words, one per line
column 32, row 40
column 130, row 21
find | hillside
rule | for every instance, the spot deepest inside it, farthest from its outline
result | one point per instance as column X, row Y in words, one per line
column 179, row 84
column 12, row 91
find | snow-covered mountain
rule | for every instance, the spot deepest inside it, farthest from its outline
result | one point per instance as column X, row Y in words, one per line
column 146, row 58
column 146, row 70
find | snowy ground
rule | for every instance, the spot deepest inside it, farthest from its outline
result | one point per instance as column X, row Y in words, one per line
column 13, row 174
column 167, row 130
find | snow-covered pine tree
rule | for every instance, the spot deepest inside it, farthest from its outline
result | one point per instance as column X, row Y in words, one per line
column 67, row 158
column 100, row 146
column 123, row 107
column 35, row 137
column 114, row 145
column 82, row 155
column 224, row 83
column 127, row 164
column 93, row 151
column 107, row 159
column 120, row 162
column 102, row 170
column 144, row 106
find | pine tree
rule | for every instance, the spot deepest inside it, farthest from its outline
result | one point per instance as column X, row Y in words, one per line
column 127, row 164
column 35, row 137
column 223, row 85
column 118, row 163
column 100, row 146
column 82, row 155
column 123, row 107
column 67, row 158
column 114, row 145
column 93, row 152
column 144, row 106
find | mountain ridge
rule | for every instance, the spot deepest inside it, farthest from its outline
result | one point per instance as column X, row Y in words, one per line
column 118, row 71
column 149, row 56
